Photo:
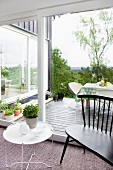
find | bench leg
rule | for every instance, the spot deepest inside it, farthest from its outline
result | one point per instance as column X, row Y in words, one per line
column 87, row 103
column 65, row 147
column 84, row 150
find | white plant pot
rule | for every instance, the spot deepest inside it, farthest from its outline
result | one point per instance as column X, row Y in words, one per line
column 32, row 122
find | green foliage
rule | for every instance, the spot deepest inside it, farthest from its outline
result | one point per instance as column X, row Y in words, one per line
column 108, row 74
column 3, row 105
column 105, row 80
column 5, row 72
column 16, row 107
column 18, row 100
column 87, row 75
column 84, row 76
column 31, row 111
column 18, row 103
column 14, row 75
column 33, row 74
column 96, row 39
column 9, row 112
column 61, row 74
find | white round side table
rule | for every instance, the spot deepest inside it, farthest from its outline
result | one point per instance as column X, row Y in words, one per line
column 13, row 134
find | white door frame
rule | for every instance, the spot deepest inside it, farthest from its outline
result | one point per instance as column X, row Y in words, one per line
column 41, row 68
column 77, row 7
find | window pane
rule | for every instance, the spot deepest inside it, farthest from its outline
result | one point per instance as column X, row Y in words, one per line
column 33, row 62
column 13, row 47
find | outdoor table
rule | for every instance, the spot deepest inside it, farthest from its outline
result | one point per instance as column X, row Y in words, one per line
column 92, row 88
column 95, row 88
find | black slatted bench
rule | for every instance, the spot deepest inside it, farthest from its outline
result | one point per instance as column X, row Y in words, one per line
column 96, row 132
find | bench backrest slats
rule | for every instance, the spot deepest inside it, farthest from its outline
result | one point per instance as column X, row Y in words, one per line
column 94, row 114
column 111, row 125
column 83, row 113
column 103, row 116
column 107, row 117
column 98, row 114
column 89, row 114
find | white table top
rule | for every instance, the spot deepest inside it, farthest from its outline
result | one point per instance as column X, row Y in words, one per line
column 96, row 86
column 107, row 93
column 42, row 132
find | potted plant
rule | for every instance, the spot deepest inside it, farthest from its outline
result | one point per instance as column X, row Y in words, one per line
column 9, row 114
column 31, row 113
column 105, row 81
column 18, row 102
column 55, row 97
column 18, row 105
column 47, row 95
column 17, row 110
column 3, row 107
column 59, row 93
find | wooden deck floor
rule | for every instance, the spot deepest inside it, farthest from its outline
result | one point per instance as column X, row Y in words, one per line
column 66, row 112
column 60, row 114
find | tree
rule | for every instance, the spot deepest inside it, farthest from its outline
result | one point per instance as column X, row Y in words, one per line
column 96, row 38
column 81, row 76
column 61, row 73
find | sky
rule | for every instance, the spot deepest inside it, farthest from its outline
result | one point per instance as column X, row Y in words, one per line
column 63, row 38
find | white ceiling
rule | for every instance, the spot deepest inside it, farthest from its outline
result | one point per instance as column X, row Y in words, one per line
column 16, row 9
column 9, row 7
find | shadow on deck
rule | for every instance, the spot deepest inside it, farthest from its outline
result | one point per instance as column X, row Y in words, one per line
column 60, row 114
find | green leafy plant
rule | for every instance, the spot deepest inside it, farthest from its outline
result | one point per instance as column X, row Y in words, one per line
column 18, row 103
column 31, row 111
column 105, row 80
column 9, row 112
column 17, row 107
column 3, row 106
column 18, row 100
